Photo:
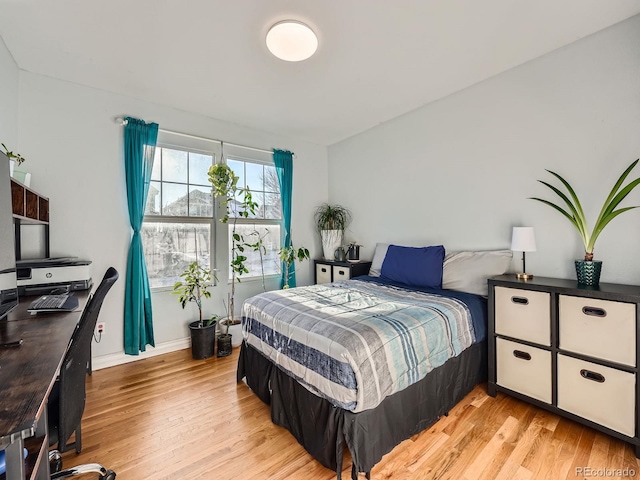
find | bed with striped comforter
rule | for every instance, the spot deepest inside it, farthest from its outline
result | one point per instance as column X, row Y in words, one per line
column 356, row 342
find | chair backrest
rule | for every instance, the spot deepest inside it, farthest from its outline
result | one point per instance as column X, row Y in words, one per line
column 74, row 366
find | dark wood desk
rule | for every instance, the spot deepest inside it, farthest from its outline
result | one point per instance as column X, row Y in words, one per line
column 27, row 374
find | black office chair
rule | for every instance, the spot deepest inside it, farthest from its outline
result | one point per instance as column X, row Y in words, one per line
column 67, row 398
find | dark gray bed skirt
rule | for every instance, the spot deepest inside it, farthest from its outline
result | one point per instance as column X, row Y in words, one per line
column 323, row 430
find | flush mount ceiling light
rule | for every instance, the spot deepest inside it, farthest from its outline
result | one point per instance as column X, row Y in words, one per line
column 292, row 41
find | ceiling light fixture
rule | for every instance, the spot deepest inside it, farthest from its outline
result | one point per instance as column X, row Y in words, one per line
column 292, row 41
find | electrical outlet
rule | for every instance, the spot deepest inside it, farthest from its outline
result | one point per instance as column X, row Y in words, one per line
column 100, row 327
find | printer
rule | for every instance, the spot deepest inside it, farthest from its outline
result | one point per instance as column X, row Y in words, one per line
column 47, row 275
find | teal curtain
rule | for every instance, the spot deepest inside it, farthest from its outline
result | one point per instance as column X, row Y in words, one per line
column 283, row 159
column 139, row 150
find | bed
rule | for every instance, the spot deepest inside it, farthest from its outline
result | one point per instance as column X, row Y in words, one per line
column 366, row 363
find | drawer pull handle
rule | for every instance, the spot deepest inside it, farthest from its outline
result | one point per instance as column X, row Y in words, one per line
column 520, row 300
column 594, row 311
column 589, row 375
column 522, row 355
column 340, row 272
column 324, row 270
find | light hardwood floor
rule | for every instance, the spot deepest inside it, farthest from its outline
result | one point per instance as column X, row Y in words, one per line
column 171, row 417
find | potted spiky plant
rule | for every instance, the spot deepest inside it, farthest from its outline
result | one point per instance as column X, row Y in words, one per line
column 588, row 270
column 193, row 288
column 331, row 222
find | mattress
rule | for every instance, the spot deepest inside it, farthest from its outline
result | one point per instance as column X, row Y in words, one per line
column 356, row 342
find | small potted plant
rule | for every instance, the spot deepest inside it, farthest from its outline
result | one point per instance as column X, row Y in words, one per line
column 331, row 222
column 288, row 255
column 588, row 270
column 353, row 252
column 193, row 288
column 14, row 159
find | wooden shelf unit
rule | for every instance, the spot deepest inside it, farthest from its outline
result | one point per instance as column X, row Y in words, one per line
column 29, row 207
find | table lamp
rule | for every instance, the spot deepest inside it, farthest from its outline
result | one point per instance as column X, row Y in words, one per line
column 523, row 240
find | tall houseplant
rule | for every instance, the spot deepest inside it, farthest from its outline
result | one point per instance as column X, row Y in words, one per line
column 238, row 203
column 331, row 222
column 288, row 255
column 588, row 270
column 193, row 288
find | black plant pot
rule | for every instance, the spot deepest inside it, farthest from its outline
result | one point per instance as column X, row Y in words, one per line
column 224, row 345
column 588, row 273
column 202, row 340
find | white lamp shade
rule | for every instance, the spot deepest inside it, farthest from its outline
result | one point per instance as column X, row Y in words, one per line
column 523, row 239
column 292, row 41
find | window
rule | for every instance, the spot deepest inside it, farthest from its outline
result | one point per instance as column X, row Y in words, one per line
column 179, row 216
column 256, row 171
column 181, row 224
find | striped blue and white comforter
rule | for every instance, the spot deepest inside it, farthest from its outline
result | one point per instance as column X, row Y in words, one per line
column 356, row 342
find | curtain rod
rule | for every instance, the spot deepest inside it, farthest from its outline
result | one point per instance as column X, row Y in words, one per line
column 122, row 121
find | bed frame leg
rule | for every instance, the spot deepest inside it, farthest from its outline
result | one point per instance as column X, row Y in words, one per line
column 491, row 389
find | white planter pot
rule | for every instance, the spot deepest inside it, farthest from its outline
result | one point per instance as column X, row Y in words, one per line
column 23, row 177
column 234, row 330
column 12, row 164
column 331, row 240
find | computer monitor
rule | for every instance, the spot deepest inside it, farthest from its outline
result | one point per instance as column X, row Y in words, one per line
column 8, row 278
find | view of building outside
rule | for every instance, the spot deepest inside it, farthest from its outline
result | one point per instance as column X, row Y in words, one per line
column 178, row 215
column 178, row 224
column 170, row 247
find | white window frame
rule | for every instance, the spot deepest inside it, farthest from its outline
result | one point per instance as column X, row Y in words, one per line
column 259, row 157
column 188, row 143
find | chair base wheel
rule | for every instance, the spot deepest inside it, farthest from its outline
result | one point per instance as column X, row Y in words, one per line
column 55, row 461
column 110, row 475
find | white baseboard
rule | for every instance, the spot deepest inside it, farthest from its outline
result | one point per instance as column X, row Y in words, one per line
column 114, row 359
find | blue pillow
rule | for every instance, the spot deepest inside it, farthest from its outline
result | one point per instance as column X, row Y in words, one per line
column 414, row 266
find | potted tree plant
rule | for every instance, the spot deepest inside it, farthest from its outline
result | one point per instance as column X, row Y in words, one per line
column 331, row 222
column 192, row 288
column 288, row 255
column 588, row 270
column 238, row 203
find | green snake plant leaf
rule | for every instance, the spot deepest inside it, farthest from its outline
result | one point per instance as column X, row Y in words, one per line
column 581, row 215
column 608, row 202
column 605, row 221
column 617, row 199
column 580, row 222
column 573, row 221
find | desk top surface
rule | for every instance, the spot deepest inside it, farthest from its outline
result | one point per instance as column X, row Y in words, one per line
column 28, row 372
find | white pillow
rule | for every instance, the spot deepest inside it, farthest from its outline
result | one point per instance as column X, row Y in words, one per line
column 469, row 271
column 378, row 257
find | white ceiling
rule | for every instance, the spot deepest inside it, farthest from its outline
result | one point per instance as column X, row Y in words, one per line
column 377, row 59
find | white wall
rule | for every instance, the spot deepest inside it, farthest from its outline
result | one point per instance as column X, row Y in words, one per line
column 459, row 171
column 74, row 149
column 9, row 88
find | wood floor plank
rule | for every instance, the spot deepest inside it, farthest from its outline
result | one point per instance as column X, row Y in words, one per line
column 173, row 418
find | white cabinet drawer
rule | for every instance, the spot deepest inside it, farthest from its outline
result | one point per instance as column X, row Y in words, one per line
column 524, row 369
column 601, row 394
column 323, row 273
column 523, row 314
column 341, row 273
column 598, row 328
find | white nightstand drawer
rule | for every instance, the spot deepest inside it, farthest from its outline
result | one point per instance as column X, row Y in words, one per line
column 341, row 273
column 524, row 369
column 601, row 394
column 598, row 328
column 323, row 273
column 523, row 314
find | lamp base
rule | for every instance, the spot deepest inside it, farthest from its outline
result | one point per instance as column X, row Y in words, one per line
column 524, row 276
